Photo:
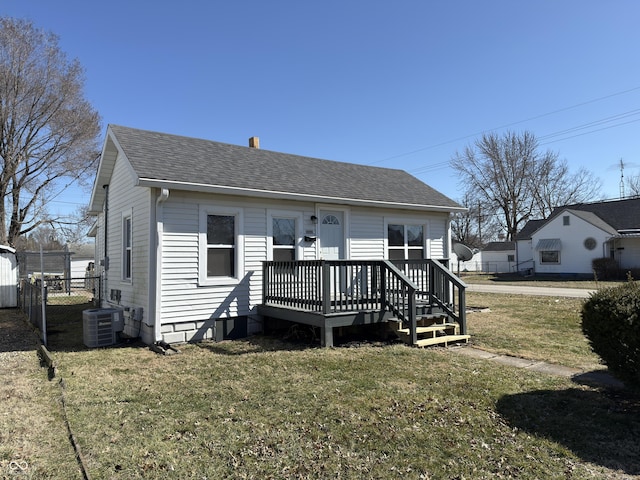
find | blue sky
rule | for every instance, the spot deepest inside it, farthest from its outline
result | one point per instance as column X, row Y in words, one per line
column 401, row 84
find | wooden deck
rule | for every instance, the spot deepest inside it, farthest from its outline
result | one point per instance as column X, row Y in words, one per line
column 336, row 293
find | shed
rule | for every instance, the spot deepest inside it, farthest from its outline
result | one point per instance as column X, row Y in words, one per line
column 8, row 277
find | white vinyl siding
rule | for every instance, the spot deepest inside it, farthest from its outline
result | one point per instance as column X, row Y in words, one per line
column 367, row 241
column 186, row 304
column 217, row 246
column 437, row 238
column 124, row 199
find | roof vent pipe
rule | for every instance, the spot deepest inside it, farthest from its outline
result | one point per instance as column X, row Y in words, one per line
column 254, row 142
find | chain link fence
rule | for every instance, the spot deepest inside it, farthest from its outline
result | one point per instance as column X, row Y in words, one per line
column 60, row 321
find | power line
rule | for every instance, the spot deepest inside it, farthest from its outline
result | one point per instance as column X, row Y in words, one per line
column 581, row 104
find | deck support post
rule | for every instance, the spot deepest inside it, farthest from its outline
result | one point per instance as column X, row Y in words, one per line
column 326, row 288
column 326, row 336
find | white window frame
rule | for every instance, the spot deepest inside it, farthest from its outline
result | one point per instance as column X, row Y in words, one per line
column 287, row 214
column 127, row 246
column 222, row 210
column 406, row 222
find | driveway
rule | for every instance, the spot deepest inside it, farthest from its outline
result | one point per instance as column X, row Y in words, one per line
column 528, row 290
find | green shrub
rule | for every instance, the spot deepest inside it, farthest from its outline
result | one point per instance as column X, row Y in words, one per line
column 611, row 322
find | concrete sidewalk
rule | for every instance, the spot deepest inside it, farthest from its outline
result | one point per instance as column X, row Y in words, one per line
column 528, row 290
column 597, row 378
column 594, row 378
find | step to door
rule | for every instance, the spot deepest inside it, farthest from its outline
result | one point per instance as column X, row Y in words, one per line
column 445, row 340
column 439, row 327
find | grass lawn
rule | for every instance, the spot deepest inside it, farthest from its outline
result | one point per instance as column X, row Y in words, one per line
column 263, row 408
column 539, row 328
column 538, row 280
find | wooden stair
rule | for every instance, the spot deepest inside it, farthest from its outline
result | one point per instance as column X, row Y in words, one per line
column 432, row 329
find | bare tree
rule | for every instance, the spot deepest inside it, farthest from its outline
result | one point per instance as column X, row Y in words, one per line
column 554, row 185
column 498, row 169
column 517, row 181
column 48, row 131
column 477, row 225
column 633, row 185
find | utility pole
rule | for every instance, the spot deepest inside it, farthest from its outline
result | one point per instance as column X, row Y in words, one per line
column 479, row 224
column 621, row 179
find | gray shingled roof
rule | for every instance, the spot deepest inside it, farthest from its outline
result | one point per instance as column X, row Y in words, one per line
column 499, row 246
column 620, row 214
column 609, row 215
column 593, row 219
column 529, row 228
column 182, row 160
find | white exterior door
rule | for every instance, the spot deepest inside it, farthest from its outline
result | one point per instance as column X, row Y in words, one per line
column 332, row 247
column 331, row 235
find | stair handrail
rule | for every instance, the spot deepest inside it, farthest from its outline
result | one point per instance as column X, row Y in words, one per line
column 410, row 317
column 451, row 279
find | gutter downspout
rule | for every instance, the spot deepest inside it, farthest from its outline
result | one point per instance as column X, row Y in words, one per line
column 155, row 285
column 105, row 239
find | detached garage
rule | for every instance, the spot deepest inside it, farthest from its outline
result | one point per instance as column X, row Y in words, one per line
column 8, row 277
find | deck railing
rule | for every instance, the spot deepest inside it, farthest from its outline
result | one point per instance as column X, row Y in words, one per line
column 341, row 286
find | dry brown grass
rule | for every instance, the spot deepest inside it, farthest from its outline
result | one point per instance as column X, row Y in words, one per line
column 564, row 281
column 538, row 328
column 32, row 430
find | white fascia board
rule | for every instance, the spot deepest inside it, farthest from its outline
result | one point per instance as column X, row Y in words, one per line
column 226, row 190
column 111, row 151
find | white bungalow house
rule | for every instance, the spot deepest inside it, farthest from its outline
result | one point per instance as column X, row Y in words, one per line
column 188, row 231
column 574, row 235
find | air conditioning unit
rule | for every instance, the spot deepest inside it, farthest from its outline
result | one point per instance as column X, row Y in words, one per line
column 100, row 326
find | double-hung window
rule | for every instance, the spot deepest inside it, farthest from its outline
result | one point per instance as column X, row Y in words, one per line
column 405, row 242
column 127, row 246
column 284, row 229
column 284, row 239
column 220, row 246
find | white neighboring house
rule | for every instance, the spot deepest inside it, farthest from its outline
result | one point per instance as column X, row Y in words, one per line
column 574, row 235
column 183, row 226
column 495, row 257
column 499, row 257
column 82, row 255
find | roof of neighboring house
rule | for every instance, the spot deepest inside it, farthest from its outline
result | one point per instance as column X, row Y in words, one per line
column 499, row 246
column 620, row 214
column 612, row 216
column 82, row 250
column 171, row 161
column 529, row 228
column 593, row 219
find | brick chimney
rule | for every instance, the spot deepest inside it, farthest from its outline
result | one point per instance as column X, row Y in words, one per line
column 254, row 142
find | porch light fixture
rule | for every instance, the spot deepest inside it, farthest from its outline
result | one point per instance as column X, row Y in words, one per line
column 314, row 219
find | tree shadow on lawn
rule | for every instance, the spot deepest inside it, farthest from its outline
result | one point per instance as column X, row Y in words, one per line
column 601, row 427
